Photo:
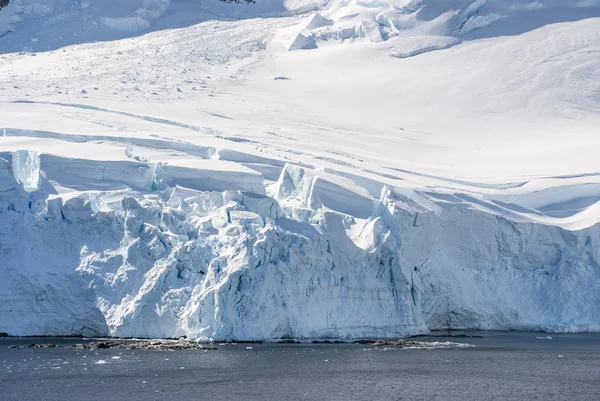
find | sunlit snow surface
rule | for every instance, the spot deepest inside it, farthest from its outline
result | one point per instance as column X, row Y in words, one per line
column 406, row 166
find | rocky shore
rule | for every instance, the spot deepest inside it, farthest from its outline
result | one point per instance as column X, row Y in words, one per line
column 154, row 345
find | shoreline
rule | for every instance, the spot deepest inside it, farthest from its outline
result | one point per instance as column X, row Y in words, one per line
column 451, row 333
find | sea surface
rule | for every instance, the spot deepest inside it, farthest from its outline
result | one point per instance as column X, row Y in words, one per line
column 500, row 366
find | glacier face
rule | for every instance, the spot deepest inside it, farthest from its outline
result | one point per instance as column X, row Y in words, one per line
column 337, row 192
column 241, row 265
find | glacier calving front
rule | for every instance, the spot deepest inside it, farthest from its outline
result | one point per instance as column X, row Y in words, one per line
column 243, row 265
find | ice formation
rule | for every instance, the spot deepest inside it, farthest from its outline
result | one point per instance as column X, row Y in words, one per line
column 302, row 42
column 241, row 265
column 418, row 26
column 26, row 169
column 202, row 180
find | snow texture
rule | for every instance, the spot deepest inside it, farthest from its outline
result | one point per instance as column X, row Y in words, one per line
column 171, row 169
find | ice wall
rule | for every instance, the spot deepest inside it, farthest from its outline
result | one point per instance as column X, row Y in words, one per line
column 241, row 265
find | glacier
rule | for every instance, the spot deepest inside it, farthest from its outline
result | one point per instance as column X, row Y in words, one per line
column 298, row 169
column 239, row 265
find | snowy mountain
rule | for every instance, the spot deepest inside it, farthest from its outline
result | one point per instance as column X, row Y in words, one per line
column 298, row 169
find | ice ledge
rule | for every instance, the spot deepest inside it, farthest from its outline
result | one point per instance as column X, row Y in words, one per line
column 246, row 266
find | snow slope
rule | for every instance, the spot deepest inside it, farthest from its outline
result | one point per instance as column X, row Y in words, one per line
column 407, row 166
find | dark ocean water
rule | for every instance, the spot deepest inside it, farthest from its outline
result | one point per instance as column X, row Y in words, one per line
column 501, row 366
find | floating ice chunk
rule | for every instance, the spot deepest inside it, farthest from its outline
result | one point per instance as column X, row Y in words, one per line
column 302, row 42
column 101, row 362
column 544, row 338
column 26, row 169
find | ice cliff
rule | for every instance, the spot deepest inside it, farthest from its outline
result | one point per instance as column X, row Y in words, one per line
column 201, row 179
column 246, row 265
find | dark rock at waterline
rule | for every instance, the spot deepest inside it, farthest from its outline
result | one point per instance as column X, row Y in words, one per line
column 396, row 343
column 400, row 343
column 434, row 334
column 42, row 345
column 155, row 345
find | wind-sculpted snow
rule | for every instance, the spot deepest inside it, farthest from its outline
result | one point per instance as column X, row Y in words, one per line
column 240, row 265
